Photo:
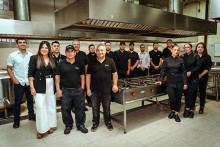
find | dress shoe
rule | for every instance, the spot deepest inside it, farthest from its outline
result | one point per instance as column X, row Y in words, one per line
column 186, row 113
column 39, row 136
column 191, row 114
column 177, row 119
column 171, row 115
column 32, row 117
column 50, row 131
column 94, row 127
column 109, row 126
column 67, row 130
column 16, row 124
column 83, row 129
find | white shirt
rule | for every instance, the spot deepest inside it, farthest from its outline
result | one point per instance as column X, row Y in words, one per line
column 144, row 60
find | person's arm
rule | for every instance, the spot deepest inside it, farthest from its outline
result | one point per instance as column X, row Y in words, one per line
column 163, row 70
column 82, row 77
column 115, row 82
column 31, row 73
column 196, row 69
column 160, row 62
column 148, row 61
column 88, row 82
column 86, row 66
column 184, row 75
column 208, row 67
column 129, row 66
column 136, row 64
column 10, row 73
column 57, row 83
column 151, row 62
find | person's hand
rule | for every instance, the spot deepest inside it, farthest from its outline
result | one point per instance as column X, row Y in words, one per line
column 185, row 87
column 89, row 92
column 132, row 68
column 200, row 76
column 33, row 92
column 143, row 68
column 159, row 82
column 156, row 67
column 114, row 88
column 59, row 93
column 128, row 73
column 188, row 74
column 15, row 81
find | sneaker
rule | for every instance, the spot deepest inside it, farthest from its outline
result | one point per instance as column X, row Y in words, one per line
column 171, row 115
column 83, row 129
column 94, row 127
column 67, row 130
column 109, row 126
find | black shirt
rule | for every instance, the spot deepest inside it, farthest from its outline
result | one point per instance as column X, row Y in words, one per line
column 111, row 55
column 166, row 52
column 101, row 74
column 48, row 69
column 59, row 58
column 155, row 57
column 134, row 57
column 206, row 64
column 122, row 61
column 81, row 58
column 175, row 70
column 91, row 57
column 70, row 74
column 193, row 64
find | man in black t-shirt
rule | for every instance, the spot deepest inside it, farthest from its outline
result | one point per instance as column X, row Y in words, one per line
column 70, row 82
column 110, row 53
column 167, row 51
column 155, row 60
column 123, row 62
column 99, row 85
column 134, row 60
column 56, row 52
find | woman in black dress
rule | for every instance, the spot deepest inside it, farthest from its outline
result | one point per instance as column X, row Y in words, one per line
column 174, row 67
column 206, row 60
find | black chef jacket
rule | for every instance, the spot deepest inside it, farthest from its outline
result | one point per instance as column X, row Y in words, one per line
column 166, row 52
column 206, row 64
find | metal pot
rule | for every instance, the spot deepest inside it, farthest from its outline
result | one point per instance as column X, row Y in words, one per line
column 6, row 91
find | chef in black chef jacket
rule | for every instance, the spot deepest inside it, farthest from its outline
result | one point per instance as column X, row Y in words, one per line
column 175, row 70
column 193, row 65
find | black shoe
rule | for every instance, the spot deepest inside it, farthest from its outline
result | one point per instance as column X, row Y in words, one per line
column 191, row 114
column 32, row 117
column 109, row 126
column 201, row 110
column 83, row 129
column 94, row 127
column 171, row 115
column 186, row 113
column 85, row 109
column 67, row 130
column 177, row 119
column 16, row 124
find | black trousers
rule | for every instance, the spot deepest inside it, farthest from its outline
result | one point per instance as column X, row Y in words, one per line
column 154, row 71
column 97, row 99
column 202, row 90
column 175, row 95
column 133, row 73
column 142, row 73
column 191, row 92
column 122, row 75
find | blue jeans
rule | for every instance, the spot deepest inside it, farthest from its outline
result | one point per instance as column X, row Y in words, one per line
column 19, row 91
column 97, row 99
column 70, row 99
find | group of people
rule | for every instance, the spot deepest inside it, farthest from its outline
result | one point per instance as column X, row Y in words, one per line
column 49, row 73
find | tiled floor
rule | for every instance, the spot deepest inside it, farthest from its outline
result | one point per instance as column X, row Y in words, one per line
column 148, row 126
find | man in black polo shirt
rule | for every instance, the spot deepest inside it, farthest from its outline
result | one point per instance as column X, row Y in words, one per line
column 167, row 51
column 56, row 52
column 70, row 82
column 155, row 60
column 109, row 53
column 123, row 62
column 99, row 86
column 134, row 60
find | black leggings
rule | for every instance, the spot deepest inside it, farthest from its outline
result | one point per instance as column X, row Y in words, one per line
column 191, row 93
column 175, row 95
column 202, row 90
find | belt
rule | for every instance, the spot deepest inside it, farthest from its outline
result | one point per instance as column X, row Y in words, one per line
column 72, row 88
column 49, row 76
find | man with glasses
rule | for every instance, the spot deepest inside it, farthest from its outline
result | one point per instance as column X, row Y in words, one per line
column 144, row 61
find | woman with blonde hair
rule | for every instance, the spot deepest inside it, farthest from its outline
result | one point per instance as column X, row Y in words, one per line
column 41, row 78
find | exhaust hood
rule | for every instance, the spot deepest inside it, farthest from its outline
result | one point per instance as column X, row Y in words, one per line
column 119, row 17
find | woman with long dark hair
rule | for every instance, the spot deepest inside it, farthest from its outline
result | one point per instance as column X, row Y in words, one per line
column 41, row 78
column 206, row 60
column 193, row 64
column 174, row 67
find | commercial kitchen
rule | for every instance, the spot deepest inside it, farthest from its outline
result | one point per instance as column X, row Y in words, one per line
column 140, row 107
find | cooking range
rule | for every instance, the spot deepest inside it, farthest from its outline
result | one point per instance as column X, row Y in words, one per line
column 138, row 89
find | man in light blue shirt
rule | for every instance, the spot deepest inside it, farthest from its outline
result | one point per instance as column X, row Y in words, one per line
column 144, row 61
column 17, row 67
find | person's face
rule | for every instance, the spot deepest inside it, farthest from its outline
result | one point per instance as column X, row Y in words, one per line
column 169, row 43
column 100, row 51
column 187, row 48
column 175, row 51
column 155, row 46
column 122, row 46
column 131, row 47
column 56, row 48
column 200, row 49
column 76, row 45
column 44, row 50
column 70, row 54
column 22, row 44
column 142, row 48
column 108, row 46
column 92, row 49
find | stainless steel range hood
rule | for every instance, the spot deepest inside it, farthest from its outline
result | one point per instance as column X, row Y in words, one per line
column 119, row 17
